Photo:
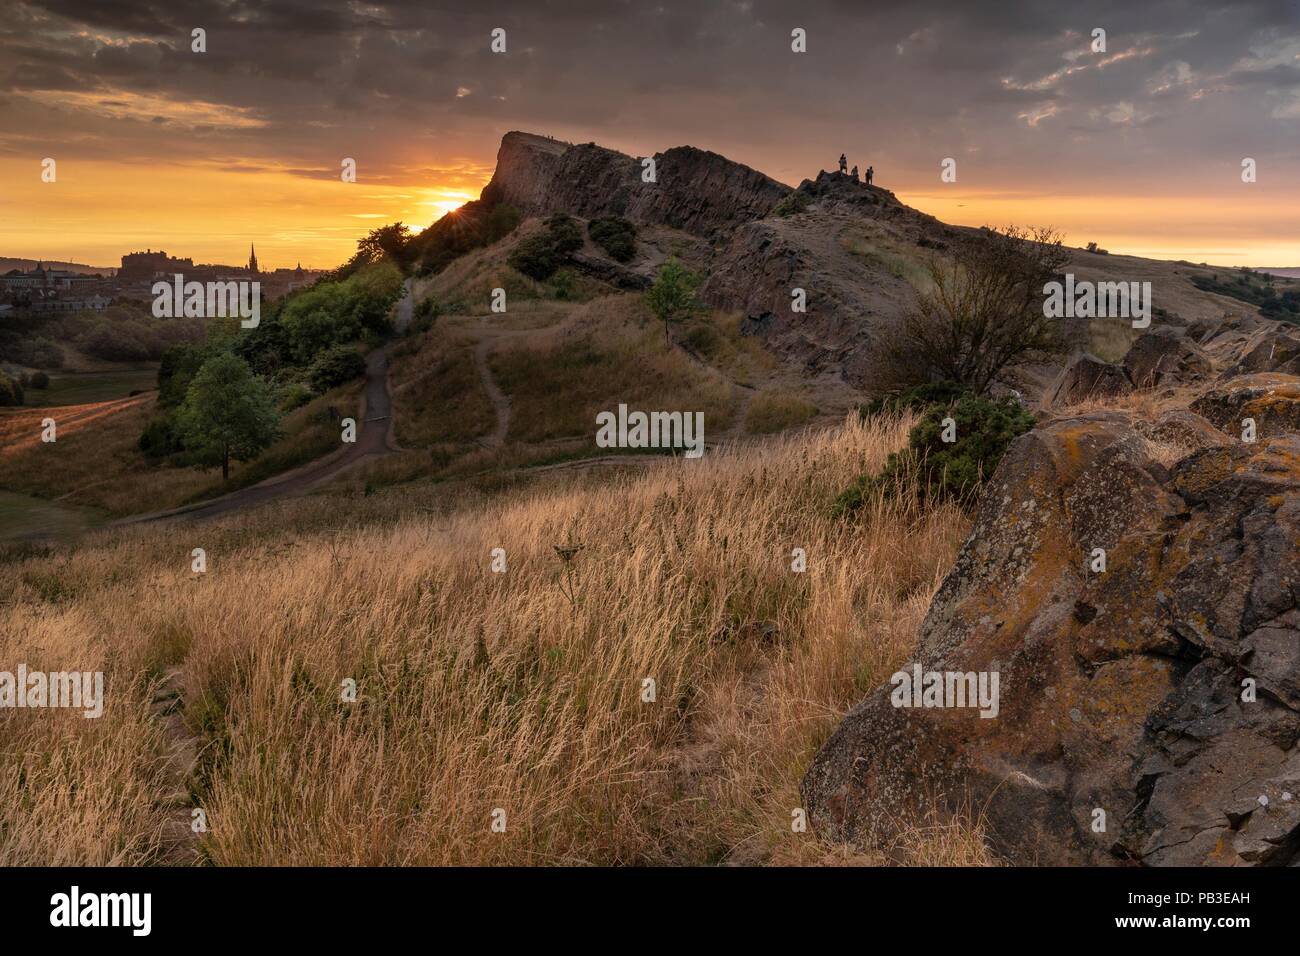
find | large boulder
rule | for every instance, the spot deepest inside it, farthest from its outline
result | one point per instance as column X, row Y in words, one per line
column 1274, row 349
column 1271, row 399
column 1087, row 376
column 1165, row 355
column 1121, row 733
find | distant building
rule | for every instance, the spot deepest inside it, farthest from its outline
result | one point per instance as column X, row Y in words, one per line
column 40, row 278
column 144, row 266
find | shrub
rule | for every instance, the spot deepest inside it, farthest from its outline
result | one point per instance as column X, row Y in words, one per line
column 984, row 428
column 984, row 311
column 564, row 283
column 40, row 380
column 340, row 364
column 542, row 253
column 335, row 313
column 293, row 395
column 11, row 392
column 615, row 235
column 159, row 438
column 793, row 202
column 916, row 398
column 564, row 233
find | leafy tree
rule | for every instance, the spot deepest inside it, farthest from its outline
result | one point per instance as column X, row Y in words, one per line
column 672, row 297
column 228, row 413
column 984, row 311
column 391, row 242
column 179, row 365
column 335, row 313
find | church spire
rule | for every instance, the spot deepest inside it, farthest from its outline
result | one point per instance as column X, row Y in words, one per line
column 252, row 259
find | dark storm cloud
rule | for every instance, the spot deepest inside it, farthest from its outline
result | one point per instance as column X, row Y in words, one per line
column 1015, row 82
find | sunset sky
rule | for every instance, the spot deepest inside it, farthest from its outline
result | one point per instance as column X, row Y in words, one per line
column 1138, row 148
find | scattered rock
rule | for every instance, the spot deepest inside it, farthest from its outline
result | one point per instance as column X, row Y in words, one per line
column 1164, row 355
column 1087, row 376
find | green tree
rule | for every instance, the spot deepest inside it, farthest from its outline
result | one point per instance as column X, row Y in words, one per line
column 391, row 242
column 228, row 413
column 672, row 297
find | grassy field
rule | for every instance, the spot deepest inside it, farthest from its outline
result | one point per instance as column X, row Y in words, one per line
column 96, row 461
column 25, row 515
column 611, row 354
column 79, row 388
column 523, row 692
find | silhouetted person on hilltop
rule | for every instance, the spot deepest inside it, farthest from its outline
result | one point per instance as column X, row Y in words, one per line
column 871, row 171
column 854, row 174
column 844, row 164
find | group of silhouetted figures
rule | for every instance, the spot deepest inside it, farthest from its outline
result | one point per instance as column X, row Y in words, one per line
column 844, row 168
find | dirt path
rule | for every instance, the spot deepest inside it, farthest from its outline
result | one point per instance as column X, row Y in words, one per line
column 179, row 842
column 374, row 440
column 500, row 403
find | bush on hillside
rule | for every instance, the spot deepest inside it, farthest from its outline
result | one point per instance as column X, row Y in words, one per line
column 541, row 254
column 790, row 204
column 11, row 392
column 160, row 438
column 984, row 311
column 336, row 313
column 40, row 380
column 334, row 367
column 615, row 235
column 938, row 469
column 916, row 398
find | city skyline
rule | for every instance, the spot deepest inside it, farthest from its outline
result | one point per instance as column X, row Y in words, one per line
column 201, row 151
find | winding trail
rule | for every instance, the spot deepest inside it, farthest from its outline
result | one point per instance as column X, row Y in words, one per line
column 374, row 440
column 500, row 403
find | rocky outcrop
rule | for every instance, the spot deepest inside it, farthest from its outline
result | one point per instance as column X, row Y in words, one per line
column 1165, row 355
column 1184, row 428
column 1087, row 376
column 1275, row 349
column 1149, row 708
column 694, row 190
column 849, row 302
column 1270, row 399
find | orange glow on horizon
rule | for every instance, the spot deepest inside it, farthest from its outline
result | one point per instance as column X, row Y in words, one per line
column 97, row 211
column 94, row 213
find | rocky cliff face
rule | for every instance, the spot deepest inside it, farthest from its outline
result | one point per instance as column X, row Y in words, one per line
column 694, row 190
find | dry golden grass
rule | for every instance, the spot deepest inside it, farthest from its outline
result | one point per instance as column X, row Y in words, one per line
column 610, row 352
column 437, row 394
column 520, row 690
column 776, row 411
